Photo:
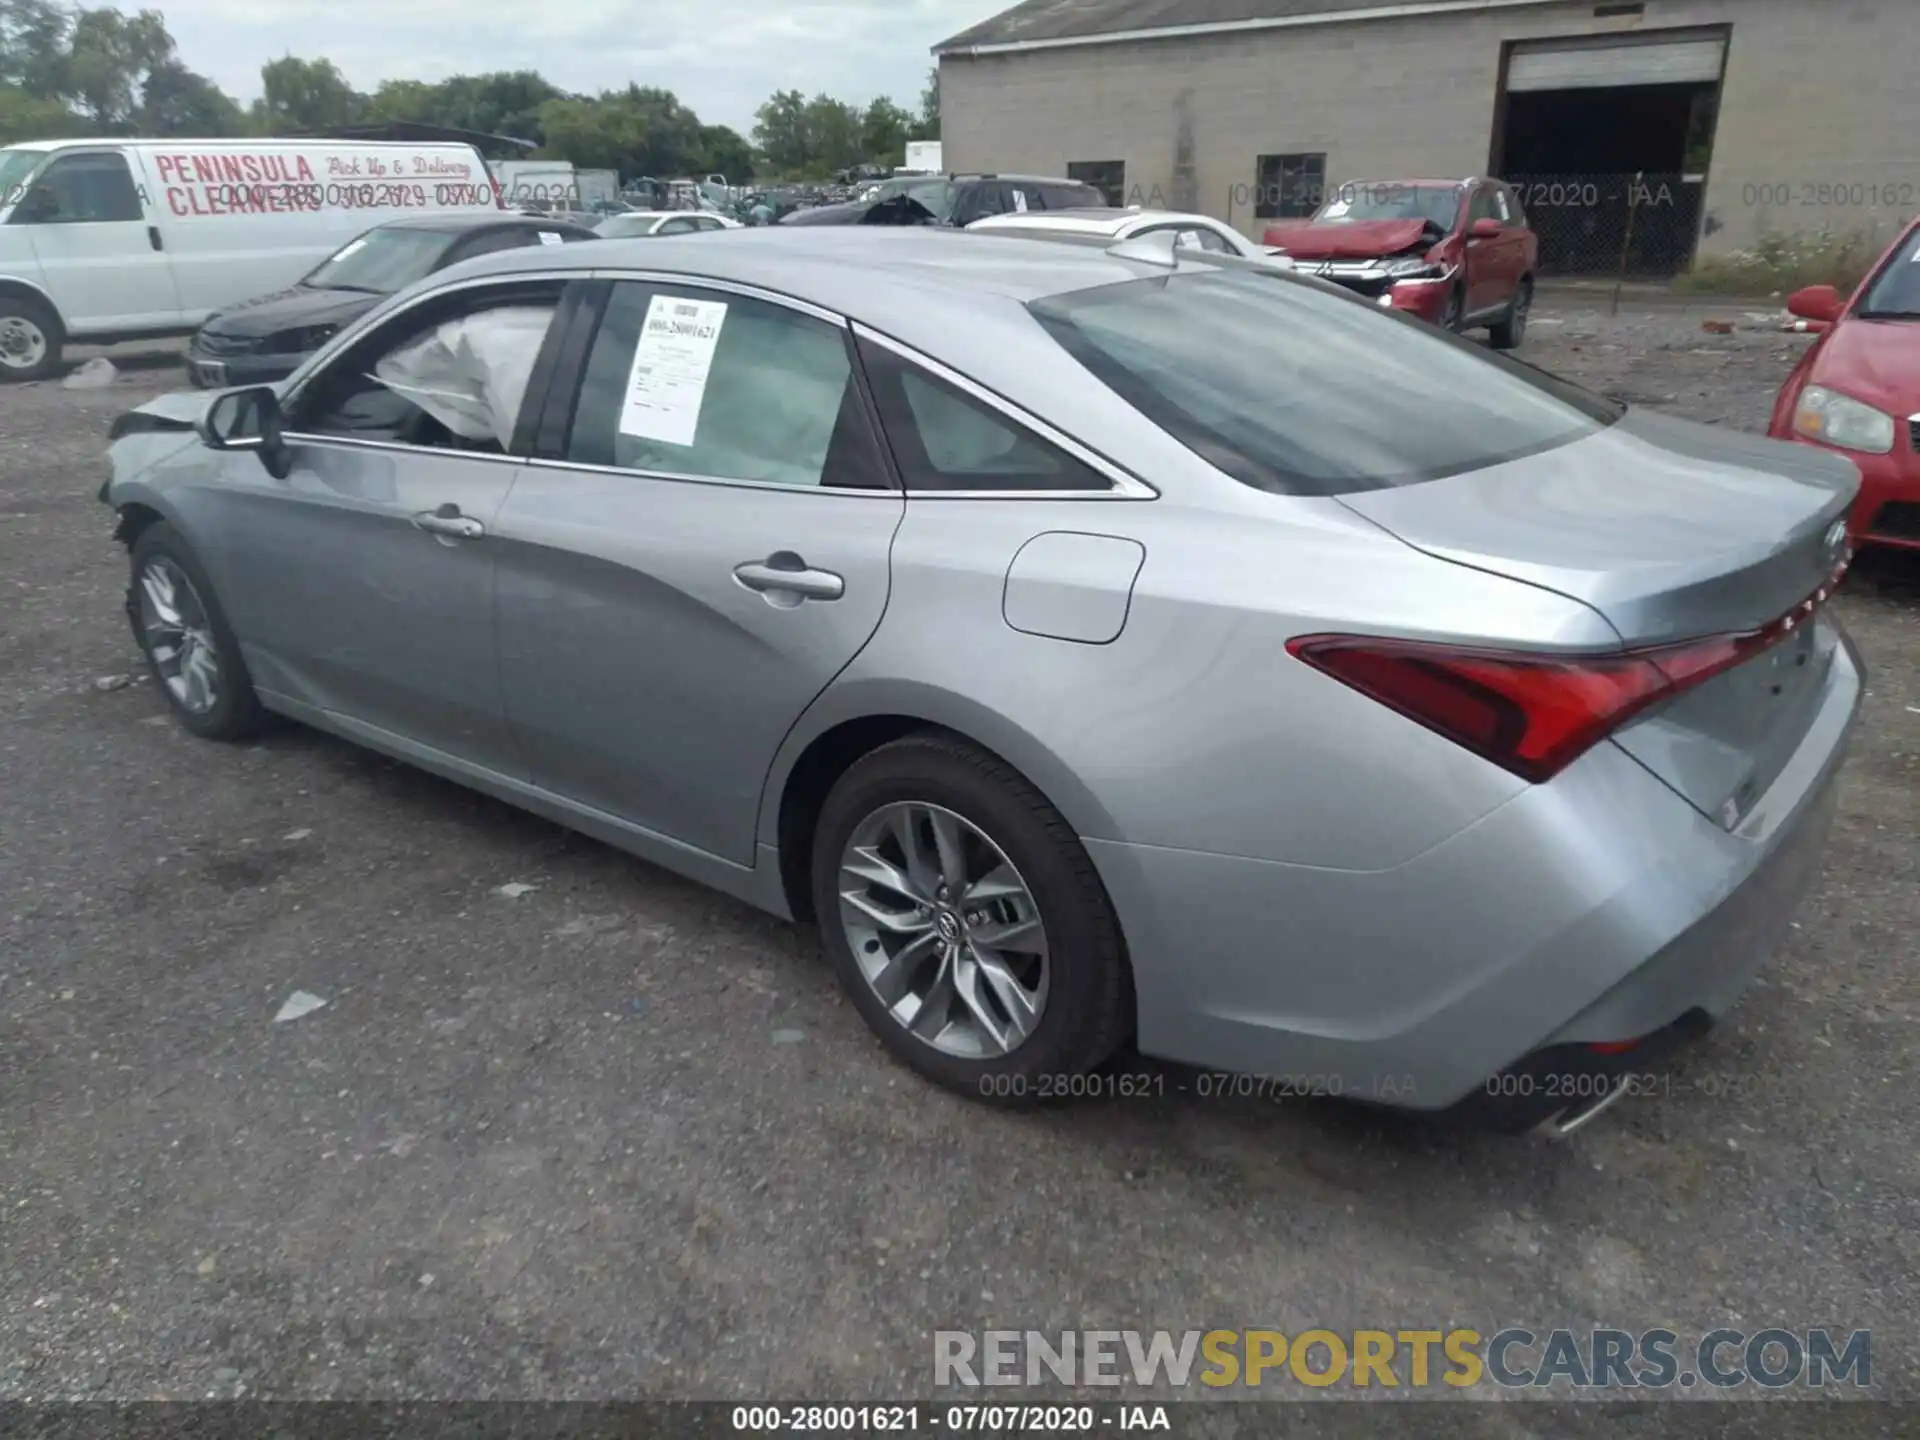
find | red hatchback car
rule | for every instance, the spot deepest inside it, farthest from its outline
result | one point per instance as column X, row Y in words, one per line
column 1456, row 252
column 1857, row 390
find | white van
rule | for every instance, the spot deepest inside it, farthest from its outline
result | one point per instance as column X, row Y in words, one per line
column 104, row 240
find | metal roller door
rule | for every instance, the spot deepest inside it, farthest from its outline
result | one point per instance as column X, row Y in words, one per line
column 1608, row 61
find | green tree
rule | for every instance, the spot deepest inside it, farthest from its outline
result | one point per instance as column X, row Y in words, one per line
column 780, row 132
column 884, row 131
column 110, row 55
column 927, row 127
column 724, row 151
column 177, row 101
column 833, row 133
column 301, row 94
column 609, row 133
column 33, row 48
column 30, row 117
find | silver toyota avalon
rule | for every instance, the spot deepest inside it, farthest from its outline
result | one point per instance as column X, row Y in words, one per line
column 1102, row 646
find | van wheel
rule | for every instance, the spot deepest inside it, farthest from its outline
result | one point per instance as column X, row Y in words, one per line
column 30, row 339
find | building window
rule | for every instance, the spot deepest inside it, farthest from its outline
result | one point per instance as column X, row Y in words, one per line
column 1291, row 187
column 1109, row 177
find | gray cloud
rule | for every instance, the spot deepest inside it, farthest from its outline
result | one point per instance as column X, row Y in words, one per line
column 722, row 57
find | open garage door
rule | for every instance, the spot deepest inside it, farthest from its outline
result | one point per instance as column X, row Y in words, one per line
column 1613, row 61
column 1607, row 140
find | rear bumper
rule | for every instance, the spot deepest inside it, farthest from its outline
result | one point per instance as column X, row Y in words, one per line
column 1887, row 510
column 1599, row 908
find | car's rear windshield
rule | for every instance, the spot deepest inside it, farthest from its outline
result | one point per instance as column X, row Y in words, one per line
column 1894, row 294
column 1291, row 387
column 381, row 261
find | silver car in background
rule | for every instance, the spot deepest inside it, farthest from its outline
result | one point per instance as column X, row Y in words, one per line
column 1111, row 225
column 1097, row 645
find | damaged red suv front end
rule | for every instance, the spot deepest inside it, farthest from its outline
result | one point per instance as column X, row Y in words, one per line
column 1456, row 253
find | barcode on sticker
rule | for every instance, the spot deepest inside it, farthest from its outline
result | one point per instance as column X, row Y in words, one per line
column 687, row 310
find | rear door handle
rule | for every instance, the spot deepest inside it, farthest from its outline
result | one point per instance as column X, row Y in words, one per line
column 153, row 237
column 448, row 520
column 786, row 573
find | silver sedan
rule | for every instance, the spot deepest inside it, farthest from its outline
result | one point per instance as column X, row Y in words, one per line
column 1099, row 645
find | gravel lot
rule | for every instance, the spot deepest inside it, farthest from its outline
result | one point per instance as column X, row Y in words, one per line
column 620, row 1137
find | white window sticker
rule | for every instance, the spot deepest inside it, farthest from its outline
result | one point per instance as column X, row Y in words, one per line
column 668, row 381
column 1337, row 209
column 551, row 237
column 1020, row 201
column 351, row 247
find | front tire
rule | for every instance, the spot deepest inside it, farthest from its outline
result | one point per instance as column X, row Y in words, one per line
column 30, row 339
column 190, row 648
column 1512, row 329
column 967, row 922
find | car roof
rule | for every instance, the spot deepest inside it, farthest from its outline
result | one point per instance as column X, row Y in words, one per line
column 1106, row 219
column 914, row 282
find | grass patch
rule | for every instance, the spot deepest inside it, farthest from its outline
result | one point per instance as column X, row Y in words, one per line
column 1782, row 264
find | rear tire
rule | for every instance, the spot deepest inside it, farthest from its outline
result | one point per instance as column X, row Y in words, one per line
column 1022, row 877
column 190, row 648
column 1512, row 329
column 31, row 338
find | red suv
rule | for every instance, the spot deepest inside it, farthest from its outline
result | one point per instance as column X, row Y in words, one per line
column 1456, row 252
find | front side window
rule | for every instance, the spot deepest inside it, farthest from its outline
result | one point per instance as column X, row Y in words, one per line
column 720, row 386
column 15, row 167
column 449, row 374
column 383, row 261
column 1293, row 390
column 1109, row 177
column 1482, row 207
column 944, row 439
column 83, row 190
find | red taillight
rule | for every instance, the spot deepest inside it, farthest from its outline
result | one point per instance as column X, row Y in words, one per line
column 1534, row 714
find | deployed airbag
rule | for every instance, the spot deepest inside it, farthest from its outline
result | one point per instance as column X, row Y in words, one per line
column 471, row 373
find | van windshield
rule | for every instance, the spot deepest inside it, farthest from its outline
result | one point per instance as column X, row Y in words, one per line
column 15, row 166
column 381, row 261
column 1297, row 390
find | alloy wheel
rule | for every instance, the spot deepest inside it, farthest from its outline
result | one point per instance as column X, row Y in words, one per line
column 23, row 344
column 944, row 929
column 178, row 635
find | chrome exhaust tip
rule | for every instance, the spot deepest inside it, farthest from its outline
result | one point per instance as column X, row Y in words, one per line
column 1559, row 1127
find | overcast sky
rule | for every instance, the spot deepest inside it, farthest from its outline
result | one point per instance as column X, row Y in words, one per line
column 721, row 57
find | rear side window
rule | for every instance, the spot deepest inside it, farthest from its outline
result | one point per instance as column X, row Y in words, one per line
column 719, row 386
column 1074, row 196
column 1294, row 390
column 944, row 439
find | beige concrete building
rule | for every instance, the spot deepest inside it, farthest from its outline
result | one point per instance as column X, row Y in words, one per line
column 1741, row 118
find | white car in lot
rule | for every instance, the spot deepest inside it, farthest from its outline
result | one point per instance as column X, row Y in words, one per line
column 631, row 224
column 1109, row 226
column 106, row 240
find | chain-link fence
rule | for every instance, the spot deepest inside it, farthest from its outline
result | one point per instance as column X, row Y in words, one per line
column 1639, row 226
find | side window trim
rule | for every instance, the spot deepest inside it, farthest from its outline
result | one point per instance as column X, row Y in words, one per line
column 351, row 339
column 1124, row 484
column 561, row 401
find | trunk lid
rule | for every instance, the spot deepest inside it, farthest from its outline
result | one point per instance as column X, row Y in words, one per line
column 1671, row 531
column 1359, row 240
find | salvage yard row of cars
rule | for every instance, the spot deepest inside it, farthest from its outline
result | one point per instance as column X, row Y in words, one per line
column 1104, row 630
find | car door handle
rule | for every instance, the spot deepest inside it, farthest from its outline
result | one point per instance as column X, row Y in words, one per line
column 786, row 573
column 448, row 520
column 153, row 237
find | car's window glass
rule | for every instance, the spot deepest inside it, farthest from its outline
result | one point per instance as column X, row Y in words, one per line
column 1515, row 215
column 383, row 261
column 490, row 242
column 450, row 375
column 15, row 166
column 944, row 439
column 1895, row 291
column 1070, row 197
column 1355, row 201
column 677, row 226
column 1501, row 211
column 1482, row 207
column 722, row 386
column 84, row 190
column 1206, row 239
column 1298, row 391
